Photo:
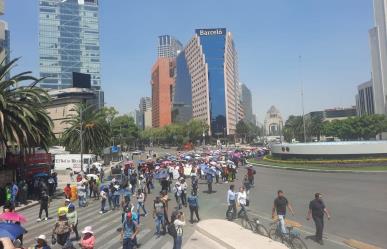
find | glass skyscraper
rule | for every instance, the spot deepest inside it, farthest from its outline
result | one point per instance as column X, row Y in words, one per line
column 168, row 46
column 68, row 42
column 212, row 69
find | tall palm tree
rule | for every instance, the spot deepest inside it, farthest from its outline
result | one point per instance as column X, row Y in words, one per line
column 95, row 130
column 23, row 119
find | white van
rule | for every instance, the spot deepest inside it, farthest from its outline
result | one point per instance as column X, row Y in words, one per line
column 73, row 162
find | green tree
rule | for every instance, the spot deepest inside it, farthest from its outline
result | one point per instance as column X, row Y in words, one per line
column 124, row 130
column 314, row 127
column 95, row 130
column 195, row 129
column 23, row 119
column 294, row 128
column 242, row 129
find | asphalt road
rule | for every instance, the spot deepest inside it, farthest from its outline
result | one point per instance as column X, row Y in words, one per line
column 357, row 202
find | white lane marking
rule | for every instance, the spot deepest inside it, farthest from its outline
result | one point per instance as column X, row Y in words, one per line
column 118, row 240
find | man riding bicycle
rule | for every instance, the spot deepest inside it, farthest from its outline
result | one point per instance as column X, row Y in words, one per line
column 280, row 205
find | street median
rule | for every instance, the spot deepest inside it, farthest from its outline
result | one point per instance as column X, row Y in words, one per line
column 231, row 235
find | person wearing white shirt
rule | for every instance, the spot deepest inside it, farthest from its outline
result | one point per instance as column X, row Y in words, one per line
column 242, row 197
column 179, row 223
column 231, row 201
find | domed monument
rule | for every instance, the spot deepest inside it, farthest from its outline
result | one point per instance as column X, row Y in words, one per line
column 273, row 122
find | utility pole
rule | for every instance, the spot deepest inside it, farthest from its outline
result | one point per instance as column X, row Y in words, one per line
column 81, row 139
column 302, row 98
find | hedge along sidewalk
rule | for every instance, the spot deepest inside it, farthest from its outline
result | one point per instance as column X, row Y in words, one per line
column 319, row 168
column 328, row 161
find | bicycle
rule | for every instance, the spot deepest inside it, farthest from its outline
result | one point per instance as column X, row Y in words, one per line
column 292, row 239
column 253, row 224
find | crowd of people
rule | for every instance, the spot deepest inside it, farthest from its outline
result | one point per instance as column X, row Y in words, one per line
column 177, row 176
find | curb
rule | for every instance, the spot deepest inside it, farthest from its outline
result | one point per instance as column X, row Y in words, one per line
column 214, row 238
column 317, row 170
column 35, row 203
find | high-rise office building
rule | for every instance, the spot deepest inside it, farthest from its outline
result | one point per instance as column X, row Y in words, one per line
column 5, row 48
column 182, row 94
column 378, row 44
column 365, row 99
column 4, row 38
column 212, row 66
column 145, row 112
column 163, row 78
column 68, row 42
column 1, row 7
column 247, row 104
column 168, row 46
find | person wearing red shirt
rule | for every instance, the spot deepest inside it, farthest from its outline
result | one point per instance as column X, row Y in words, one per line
column 67, row 191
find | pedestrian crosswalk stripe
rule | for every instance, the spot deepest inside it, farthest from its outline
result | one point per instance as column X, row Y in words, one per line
column 117, row 239
column 155, row 241
column 168, row 245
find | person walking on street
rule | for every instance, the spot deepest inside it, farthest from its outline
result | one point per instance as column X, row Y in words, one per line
column 140, row 202
column 67, row 191
column 280, row 205
column 165, row 199
column 104, row 197
column 184, row 188
column 44, row 204
column 88, row 240
column 62, row 229
column 231, row 201
column 210, row 179
column 82, row 194
column 316, row 210
column 193, row 203
column 129, row 232
column 14, row 193
column 179, row 223
column 158, row 215
column 242, row 200
column 72, row 217
column 178, row 191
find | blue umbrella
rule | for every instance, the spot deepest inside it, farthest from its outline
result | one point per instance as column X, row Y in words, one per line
column 203, row 166
column 161, row 174
column 41, row 174
column 123, row 192
column 14, row 230
column 5, row 233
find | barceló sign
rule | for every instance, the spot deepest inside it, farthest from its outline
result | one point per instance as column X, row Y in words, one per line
column 209, row 32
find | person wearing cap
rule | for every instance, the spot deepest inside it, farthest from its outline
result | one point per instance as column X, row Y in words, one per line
column 62, row 229
column 41, row 242
column 129, row 232
column 88, row 240
column 72, row 217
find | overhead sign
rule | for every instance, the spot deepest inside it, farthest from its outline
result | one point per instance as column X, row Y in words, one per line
column 209, row 32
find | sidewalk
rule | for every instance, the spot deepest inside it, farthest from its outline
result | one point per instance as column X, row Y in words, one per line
column 222, row 234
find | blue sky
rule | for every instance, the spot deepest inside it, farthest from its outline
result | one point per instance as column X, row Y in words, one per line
column 330, row 35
